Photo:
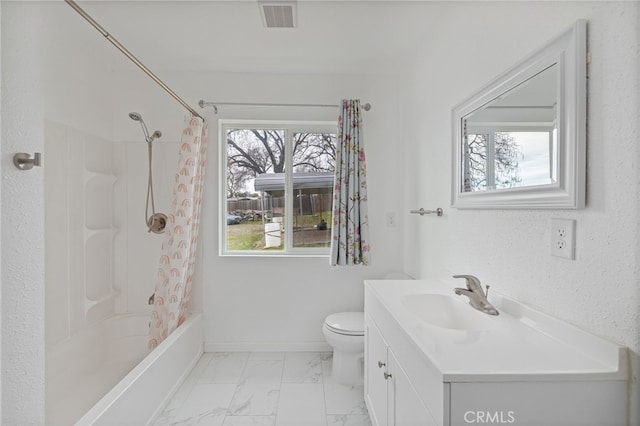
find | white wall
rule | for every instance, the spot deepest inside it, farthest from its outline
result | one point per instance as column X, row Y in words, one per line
column 600, row 290
column 22, row 218
column 269, row 302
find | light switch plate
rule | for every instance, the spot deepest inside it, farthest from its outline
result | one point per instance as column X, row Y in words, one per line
column 391, row 219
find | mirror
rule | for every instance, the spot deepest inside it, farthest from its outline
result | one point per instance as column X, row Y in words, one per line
column 519, row 142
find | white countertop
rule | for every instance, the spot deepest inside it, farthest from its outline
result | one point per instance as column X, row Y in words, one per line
column 522, row 344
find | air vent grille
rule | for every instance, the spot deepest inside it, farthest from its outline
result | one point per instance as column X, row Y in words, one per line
column 278, row 14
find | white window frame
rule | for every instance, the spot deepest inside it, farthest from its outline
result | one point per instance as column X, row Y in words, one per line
column 289, row 127
column 491, row 129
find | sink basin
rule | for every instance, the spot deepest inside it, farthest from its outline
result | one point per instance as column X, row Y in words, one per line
column 448, row 312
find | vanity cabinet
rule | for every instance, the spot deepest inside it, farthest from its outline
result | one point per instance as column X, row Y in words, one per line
column 544, row 374
column 390, row 395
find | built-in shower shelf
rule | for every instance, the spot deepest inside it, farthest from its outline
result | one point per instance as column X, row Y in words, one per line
column 89, row 232
column 98, row 156
column 91, row 303
column 98, row 183
column 107, row 178
column 99, row 265
column 88, row 174
column 99, row 201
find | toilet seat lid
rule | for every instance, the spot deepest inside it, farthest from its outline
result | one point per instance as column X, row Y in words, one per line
column 350, row 323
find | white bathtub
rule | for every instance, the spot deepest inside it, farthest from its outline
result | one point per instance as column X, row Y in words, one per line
column 107, row 376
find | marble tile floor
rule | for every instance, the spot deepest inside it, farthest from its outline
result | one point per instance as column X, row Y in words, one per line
column 265, row 389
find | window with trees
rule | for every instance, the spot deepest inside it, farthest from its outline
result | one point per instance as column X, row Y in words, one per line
column 494, row 158
column 278, row 187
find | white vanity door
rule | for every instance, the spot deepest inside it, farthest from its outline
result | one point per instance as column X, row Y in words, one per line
column 375, row 384
column 405, row 406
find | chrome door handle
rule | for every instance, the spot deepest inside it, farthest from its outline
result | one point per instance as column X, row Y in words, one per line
column 387, row 376
column 381, row 364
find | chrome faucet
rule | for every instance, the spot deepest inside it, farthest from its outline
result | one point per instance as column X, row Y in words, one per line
column 477, row 296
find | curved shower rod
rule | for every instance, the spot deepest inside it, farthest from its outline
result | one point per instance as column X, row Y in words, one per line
column 130, row 55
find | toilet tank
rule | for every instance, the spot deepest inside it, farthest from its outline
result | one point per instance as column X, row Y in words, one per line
column 397, row 276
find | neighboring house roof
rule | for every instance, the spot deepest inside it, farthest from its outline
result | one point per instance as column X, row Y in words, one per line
column 275, row 181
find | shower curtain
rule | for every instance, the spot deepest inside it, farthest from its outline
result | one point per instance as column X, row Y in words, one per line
column 178, row 253
column 350, row 230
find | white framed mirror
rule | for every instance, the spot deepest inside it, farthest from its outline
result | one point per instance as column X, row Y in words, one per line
column 520, row 141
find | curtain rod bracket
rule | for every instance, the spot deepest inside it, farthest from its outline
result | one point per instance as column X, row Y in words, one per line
column 203, row 104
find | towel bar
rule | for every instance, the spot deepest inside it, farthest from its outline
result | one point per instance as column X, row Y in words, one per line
column 422, row 211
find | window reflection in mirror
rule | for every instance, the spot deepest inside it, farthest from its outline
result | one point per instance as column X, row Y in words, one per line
column 511, row 141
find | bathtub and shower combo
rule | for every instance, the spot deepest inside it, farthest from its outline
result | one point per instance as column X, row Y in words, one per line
column 99, row 365
column 100, row 368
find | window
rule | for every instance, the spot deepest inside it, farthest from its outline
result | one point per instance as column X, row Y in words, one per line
column 277, row 189
column 496, row 157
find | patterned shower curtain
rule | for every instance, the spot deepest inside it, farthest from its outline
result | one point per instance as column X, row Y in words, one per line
column 175, row 271
column 350, row 230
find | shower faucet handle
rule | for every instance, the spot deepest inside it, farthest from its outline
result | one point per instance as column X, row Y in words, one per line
column 23, row 161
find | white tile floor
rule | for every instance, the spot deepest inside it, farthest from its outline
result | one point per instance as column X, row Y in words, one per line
column 265, row 389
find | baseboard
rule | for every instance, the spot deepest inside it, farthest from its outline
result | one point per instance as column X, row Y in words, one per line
column 267, row 347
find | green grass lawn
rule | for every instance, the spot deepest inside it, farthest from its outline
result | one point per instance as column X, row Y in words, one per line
column 245, row 236
column 249, row 235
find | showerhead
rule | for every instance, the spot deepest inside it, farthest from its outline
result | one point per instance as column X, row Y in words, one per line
column 138, row 117
column 135, row 116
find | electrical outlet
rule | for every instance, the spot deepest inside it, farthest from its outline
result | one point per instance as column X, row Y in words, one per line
column 563, row 238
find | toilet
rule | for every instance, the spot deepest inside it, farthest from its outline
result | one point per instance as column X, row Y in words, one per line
column 344, row 331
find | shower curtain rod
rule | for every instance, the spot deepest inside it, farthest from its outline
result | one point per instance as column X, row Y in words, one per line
column 130, row 55
column 203, row 104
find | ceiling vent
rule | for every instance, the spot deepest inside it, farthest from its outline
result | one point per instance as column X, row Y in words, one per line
column 278, row 14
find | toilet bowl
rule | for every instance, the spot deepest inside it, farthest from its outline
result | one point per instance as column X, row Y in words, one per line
column 344, row 331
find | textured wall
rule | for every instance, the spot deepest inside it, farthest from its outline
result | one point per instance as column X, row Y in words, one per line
column 22, row 219
column 600, row 290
